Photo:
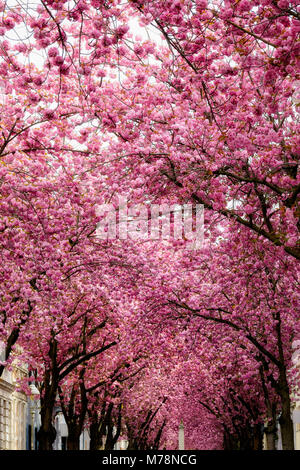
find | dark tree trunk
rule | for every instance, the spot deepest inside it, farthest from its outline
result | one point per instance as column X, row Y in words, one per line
column 109, row 442
column 271, row 428
column 258, row 437
column 47, row 432
column 75, row 421
column 230, row 442
column 46, row 435
column 285, row 421
column 95, row 437
column 158, row 436
column 111, row 438
column 132, row 444
column 270, row 440
column 73, row 440
column 283, row 390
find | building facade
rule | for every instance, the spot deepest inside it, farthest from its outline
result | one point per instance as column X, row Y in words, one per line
column 13, row 409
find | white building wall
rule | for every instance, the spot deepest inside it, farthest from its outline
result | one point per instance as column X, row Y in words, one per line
column 13, row 408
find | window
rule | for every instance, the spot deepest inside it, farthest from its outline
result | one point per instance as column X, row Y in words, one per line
column 5, row 414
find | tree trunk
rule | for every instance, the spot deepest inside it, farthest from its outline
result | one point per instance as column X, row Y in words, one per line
column 112, row 437
column 74, row 420
column 230, row 442
column 246, row 439
column 73, row 440
column 158, row 436
column 109, row 443
column 258, row 437
column 286, row 423
column 132, row 445
column 95, row 437
column 271, row 428
column 47, row 433
column 270, row 440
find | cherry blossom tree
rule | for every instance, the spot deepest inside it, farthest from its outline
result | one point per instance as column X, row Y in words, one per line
column 205, row 113
column 212, row 118
column 256, row 300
